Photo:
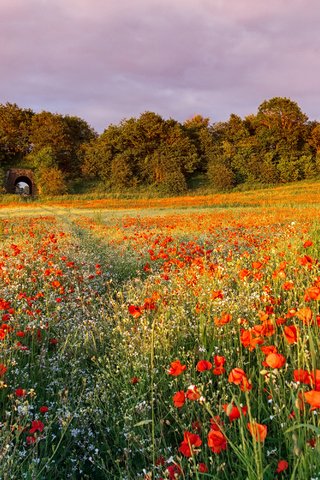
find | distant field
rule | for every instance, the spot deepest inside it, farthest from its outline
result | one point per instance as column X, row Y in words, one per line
column 162, row 338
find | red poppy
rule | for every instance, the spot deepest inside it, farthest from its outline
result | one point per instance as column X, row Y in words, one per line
column 312, row 293
column 291, row 334
column 313, row 398
column 176, row 368
column 203, row 365
column 190, row 440
column 43, row 409
column 37, row 426
column 219, row 362
column 282, row 466
column 238, row 377
column 174, row 471
column 202, row 467
column 302, row 376
column 217, row 442
column 179, row 399
column 135, row 311
column 193, row 393
column 305, row 315
column 20, row 392
column 258, row 431
column 233, row 412
column 3, row 369
column 223, row 320
column 275, row 360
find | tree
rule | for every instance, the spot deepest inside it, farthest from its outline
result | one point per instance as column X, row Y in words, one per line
column 14, row 133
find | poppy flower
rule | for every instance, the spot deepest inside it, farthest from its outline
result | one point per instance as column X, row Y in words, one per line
column 313, row 398
column 239, row 377
column 30, row 440
column 312, row 293
column 282, row 466
column 302, row 376
column 216, row 423
column 217, row 442
column 174, row 471
column 308, row 243
column 258, row 431
column 176, row 368
column 43, row 409
column 203, row 365
column 135, row 311
column 305, row 315
column 3, row 369
column 275, row 360
column 217, row 294
column 202, row 468
column 37, row 426
column 193, row 393
column 291, row 334
column 233, row 412
column 219, row 362
column 20, row 392
column 190, row 440
column 223, row 320
column 179, row 399
column 134, row 380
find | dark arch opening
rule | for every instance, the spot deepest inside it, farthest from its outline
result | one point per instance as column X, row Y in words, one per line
column 23, row 186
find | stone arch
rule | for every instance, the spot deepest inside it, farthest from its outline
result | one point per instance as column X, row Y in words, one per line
column 16, row 175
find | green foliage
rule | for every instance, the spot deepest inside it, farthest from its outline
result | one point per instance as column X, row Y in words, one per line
column 220, row 176
column 51, row 181
column 278, row 144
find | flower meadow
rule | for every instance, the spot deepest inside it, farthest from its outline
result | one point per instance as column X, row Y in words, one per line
column 160, row 344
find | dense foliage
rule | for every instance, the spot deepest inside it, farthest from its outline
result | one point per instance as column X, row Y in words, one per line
column 276, row 145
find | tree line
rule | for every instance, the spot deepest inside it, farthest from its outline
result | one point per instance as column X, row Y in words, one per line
column 278, row 144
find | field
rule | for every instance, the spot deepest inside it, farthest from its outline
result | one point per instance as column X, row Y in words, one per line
column 161, row 339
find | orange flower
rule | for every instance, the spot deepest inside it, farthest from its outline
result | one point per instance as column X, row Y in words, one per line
column 244, row 273
column 179, row 399
column 308, row 243
column 238, row 377
column 313, row 398
column 275, row 360
column 203, row 365
column 258, row 431
column 135, row 311
column 312, row 293
column 291, row 334
column 219, row 362
column 282, row 466
column 288, row 285
column 305, row 315
column 250, row 339
column 176, row 368
column 269, row 349
column 217, row 441
column 216, row 294
column 225, row 318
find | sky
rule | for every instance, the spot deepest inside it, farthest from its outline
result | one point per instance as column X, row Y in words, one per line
column 107, row 60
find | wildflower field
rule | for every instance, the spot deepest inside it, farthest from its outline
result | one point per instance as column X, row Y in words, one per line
column 160, row 343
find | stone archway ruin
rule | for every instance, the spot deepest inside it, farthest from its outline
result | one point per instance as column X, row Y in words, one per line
column 16, row 175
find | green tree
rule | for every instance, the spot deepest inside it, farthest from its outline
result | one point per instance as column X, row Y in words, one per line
column 15, row 125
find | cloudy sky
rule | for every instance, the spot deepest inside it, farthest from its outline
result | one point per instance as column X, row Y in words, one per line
column 105, row 60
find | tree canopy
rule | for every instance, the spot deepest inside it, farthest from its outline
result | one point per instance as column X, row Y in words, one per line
column 277, row 144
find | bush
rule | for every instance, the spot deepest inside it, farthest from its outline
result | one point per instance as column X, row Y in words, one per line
column 220, row 176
